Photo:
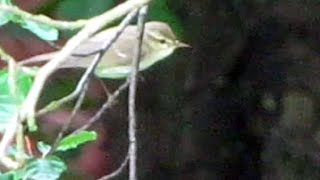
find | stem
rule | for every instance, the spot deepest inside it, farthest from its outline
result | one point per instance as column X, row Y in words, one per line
column 132, row 98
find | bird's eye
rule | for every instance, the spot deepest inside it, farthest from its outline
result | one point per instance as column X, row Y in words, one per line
column 163, row 41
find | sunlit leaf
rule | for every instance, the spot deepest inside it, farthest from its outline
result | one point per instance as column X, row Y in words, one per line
column 38, row 169
column 8, row 176
column 16, row 153
column 43, row 31
column 5, row 16
column 10, row 103
column 6, row 2
column 74, row 140
column 43, row 148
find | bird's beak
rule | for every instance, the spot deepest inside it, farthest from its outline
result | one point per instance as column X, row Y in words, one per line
column 182, row 45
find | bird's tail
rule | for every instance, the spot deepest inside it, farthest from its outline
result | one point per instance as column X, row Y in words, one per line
column 71, row 62
column 37, row 59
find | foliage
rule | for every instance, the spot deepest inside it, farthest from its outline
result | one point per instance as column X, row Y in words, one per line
column 48, row 165
column 43, row 31
column 37, row 169
column 10, row 101
column 74, row 140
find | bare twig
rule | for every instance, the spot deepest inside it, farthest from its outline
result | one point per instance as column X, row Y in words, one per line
column 104, row 107
column 4, row 56
column 8, row 135
column 44, row 19
column 118, row 171
column 95, row 24
column 105, row 89
column 132, row 94
column 9, row 163
column 83, row 83
column 105, row 46
column 67, row 124
column 12, row 69
column 14, row 122
column 20, row 145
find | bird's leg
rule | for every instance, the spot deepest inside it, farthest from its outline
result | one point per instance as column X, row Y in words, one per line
column 104, row 87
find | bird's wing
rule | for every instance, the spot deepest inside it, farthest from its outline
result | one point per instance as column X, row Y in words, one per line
column 121, row 52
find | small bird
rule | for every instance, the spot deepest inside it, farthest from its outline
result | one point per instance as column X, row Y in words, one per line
column 159, row 41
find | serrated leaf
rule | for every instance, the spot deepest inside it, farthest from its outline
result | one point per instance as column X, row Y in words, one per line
column 10, row 103
column 43, row 31
column 38, row 169
column 74, row 140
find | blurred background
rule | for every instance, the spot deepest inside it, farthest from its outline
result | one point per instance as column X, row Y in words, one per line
column 241, row 104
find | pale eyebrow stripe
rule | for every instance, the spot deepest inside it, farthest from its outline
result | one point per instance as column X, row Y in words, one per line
column 154, row 35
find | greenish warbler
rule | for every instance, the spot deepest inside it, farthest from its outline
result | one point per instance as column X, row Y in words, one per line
column 159, row 41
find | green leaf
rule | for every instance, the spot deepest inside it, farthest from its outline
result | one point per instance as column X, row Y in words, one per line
column 17, row 154
column 74, row 140
column 5, row 16
column 8, row 176
column 38, row 169
column 9, row 102
column 6, row 2
column 43, row 148
column 43, row 31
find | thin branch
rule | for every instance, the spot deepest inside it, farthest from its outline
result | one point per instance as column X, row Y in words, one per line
column 12, row 70
column 5, row 56
column 132, row 95
column 13, row 124
column 67, row 124
column 71, row 25
column 95, row 24
column 105, row 47
column 83, row 84
column 20, row 145
column 9, row 163
column 104, row 107
column 8, row 135
column 118, row 171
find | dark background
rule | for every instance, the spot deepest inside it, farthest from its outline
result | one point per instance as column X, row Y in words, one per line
column 241, row 104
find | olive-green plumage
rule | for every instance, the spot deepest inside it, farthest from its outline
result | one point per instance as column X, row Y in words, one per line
column 158, row 42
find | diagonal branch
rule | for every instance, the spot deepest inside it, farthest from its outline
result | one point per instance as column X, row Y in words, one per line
column 104, row 107
column 43, row 19
column 83, row 83
column 118, row 171
column 94, row 25
column 105, row 47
